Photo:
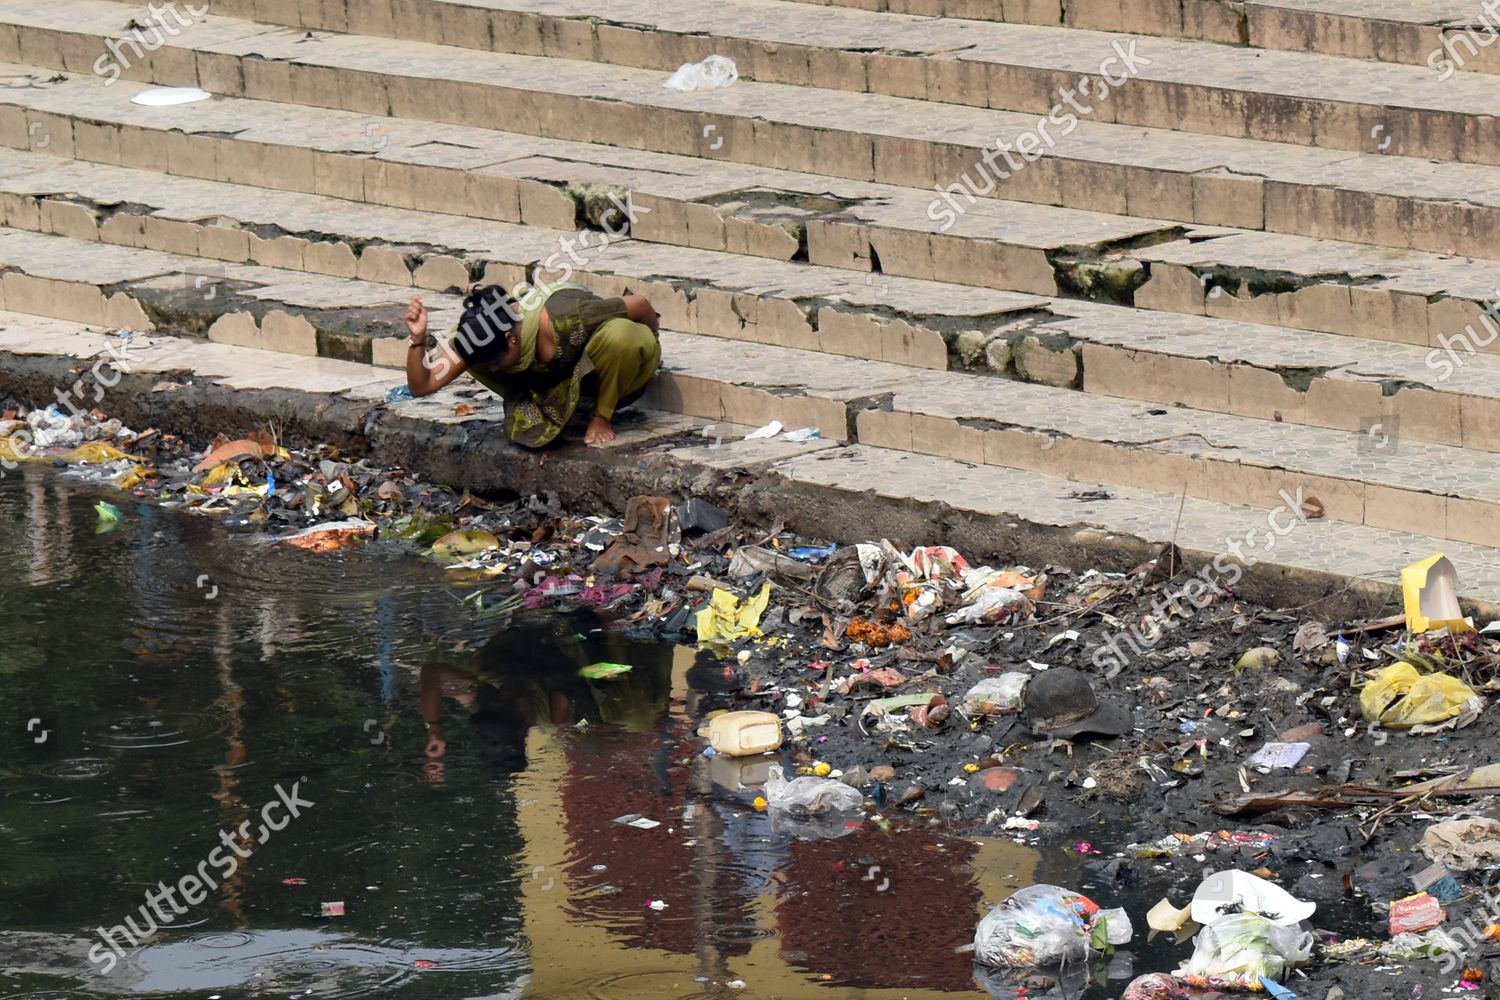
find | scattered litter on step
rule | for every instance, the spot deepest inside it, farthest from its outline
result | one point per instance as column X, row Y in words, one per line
column 768, row 431
column 710, row 74
column 166, row 97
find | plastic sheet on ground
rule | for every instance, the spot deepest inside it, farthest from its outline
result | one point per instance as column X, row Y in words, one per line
column 727, row 618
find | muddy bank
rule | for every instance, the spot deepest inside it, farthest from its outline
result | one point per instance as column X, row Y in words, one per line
column 820, row 655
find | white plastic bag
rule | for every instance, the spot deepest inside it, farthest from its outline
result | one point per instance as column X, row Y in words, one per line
column 710, row 74
column 1235, row 951
column 809, row 796
column 996, row 695
column 1041, row 925
column 50, row 429
column 994, row 605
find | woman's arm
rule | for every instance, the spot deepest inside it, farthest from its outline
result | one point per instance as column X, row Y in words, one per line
column 424, row 377
column 638, row 309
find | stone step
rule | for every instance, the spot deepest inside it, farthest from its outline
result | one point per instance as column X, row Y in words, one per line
column 1222, row 21
column 166, row 245
column 1179, row 176
column 1311, row 97
column 268, row 308
column 1397, row 31
column 1030, row 517
column 1444, row 492
column 1275, row 279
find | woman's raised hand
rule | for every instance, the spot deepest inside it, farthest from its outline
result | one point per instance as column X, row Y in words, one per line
column 416, row 319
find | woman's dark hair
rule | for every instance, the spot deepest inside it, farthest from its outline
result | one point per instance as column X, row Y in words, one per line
column 489, row 315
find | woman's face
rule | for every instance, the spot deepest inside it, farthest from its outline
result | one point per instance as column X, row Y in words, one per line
column 463, row 690
column 508, row 357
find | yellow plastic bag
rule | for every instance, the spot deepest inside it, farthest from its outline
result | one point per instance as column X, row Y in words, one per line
column 222, row 474
column 1400, row 697
column 10, row 452
column 726, row 619
column 94, row 453
column 133, row 477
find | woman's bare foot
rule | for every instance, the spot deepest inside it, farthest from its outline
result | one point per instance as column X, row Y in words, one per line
column 599, row 431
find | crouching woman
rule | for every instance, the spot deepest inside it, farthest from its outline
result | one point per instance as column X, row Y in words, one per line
column 542, row 353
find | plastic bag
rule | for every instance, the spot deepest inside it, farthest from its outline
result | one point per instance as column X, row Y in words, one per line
column 1400, row 697
column 1157, row 986
column 1043, row 925
column 50, row 429
column 710, row 74
column 1463, row 844
column 938, row 562
column 1235, row 951
column 727, row 619
column 996, row 695
column 809, row 796
column 994, row 605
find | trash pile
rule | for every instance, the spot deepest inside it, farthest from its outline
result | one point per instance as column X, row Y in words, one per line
column 1177, row 727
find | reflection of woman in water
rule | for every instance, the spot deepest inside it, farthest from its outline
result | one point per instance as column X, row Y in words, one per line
column 506, row 700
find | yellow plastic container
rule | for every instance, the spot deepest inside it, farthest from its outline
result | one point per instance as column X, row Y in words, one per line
column 740, row 734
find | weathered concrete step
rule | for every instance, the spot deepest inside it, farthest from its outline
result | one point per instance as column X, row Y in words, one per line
column 290, row 312
column 1301, row 97
column 1274, row 279
column 852, row 493
column 246, row 234
column 1445, row 492
column 1221, row 21
column 1440, row 301
column 170, row 267
column 1398, row 31
column 1365, row 199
